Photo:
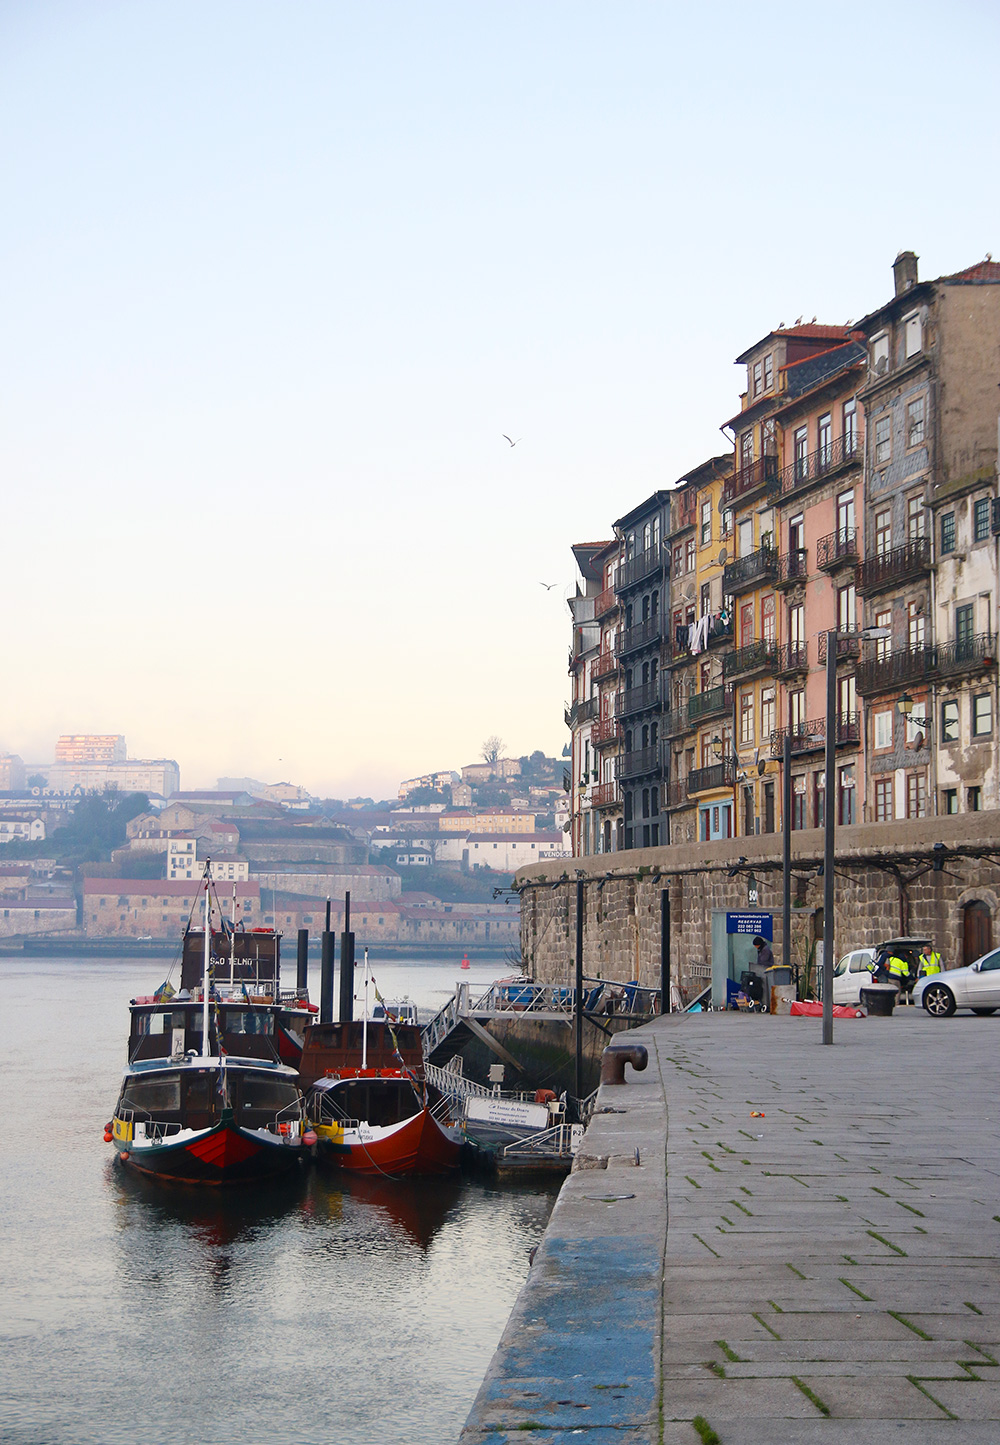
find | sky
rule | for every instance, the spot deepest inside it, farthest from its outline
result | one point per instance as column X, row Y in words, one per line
column 278, row 278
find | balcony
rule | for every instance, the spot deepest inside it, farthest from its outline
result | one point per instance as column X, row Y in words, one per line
column 791, row 568
column 969, row 654
column 673, row 795
column 683, row 509
column 673, row 723
column 761, row 473
column 606, row 603
column 642, row 634
column 807, row 737
column 838, row 549
column 890, row 569
column 643, row 698
column 719, row 775
column 882, row 674
column 719, row 631
column 848, row 645
column 636, row 569
column 711, row 703
column 848, row 728
column 605, row 795
column 638, row 763
column 605, row 665
column 846, row 451
column 605, row 730
column 755, row 657
column 751, row 571
column 580, row 712
column 792, row 657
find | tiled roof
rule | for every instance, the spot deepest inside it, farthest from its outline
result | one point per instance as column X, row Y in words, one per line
column 982, row 271
column 159, row 887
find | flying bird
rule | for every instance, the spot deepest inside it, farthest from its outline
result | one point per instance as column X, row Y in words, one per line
column 513, row 440
column 547, row 585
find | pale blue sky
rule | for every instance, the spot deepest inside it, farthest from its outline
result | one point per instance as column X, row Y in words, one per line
column 279, row 276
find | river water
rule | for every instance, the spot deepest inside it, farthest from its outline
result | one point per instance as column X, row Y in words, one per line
column 326, row 1309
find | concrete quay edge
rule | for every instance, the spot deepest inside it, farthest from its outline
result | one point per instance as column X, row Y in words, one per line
column 830, row 1268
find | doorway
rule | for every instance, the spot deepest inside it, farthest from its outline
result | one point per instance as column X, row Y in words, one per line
column 977, row 931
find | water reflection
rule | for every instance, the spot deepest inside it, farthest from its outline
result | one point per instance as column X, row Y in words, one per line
column 415, row 1207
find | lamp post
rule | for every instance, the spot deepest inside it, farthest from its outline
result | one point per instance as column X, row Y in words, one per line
column 830, row 819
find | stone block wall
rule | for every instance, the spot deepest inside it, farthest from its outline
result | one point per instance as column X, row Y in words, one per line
column 885, row 885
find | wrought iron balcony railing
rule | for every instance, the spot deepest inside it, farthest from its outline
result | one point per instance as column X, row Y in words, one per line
column 718, row 775
column 899, row 564
column 641, row 634
column 837, row 549
column 967, row 654
column 604, row 731
column 750, row 571
column 639, row 762
column 846, row 451
column 605, row 664
column 848, row 644
column 791, row 568
column 713, row 701
column 761, row 473
column 643, row 698
column 806, row 737
column 674, row 795
column 792, row 657
column 848, row 728
column 908, row 664
column 752, row 658
column 605, row 795
column 636, row 569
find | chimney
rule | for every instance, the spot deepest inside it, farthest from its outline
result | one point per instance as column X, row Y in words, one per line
column 904, row 271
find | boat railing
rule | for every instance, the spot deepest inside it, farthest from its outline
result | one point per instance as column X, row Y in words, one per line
column 289, row 1122
column 561, row 1139
column 152, row 1129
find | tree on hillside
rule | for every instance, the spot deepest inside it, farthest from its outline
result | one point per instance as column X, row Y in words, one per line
column 97, row 824
column 492, row 749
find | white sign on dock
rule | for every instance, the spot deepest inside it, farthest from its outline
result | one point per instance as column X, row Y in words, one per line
column 506, row 1111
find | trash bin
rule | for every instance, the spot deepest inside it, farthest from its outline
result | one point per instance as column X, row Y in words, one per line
column 879, row 999
column 781, row 993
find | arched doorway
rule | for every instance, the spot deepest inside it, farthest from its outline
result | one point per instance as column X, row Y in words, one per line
column 977, row 930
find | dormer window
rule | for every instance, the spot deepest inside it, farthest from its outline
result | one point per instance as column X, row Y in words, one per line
column 880, row 352
column 768, row 372
column 758, row 378
column 912, row 337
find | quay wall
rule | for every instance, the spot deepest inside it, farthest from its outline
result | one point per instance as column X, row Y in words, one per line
column 889, row 879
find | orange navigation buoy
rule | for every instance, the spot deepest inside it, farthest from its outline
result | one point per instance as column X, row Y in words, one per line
column 465, row 961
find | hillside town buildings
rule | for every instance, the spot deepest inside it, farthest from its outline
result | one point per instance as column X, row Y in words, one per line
column 860, row 493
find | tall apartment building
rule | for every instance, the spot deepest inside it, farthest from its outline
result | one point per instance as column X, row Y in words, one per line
column 91, row 748
column 862, row 492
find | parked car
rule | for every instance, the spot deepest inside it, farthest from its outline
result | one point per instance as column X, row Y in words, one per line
column 976, row 987
column 851, row 974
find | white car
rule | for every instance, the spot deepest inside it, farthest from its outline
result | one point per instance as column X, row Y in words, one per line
column 852, row 974
column 976, row 987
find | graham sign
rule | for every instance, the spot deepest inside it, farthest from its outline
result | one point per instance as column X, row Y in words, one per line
column 758, row 925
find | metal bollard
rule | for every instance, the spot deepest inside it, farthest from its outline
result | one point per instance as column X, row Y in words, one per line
column 616, row 1056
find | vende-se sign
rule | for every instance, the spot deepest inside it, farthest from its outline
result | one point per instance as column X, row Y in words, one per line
column 758, row 925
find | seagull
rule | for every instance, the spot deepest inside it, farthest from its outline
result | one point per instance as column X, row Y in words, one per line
column 513, row 440
column 547, row 585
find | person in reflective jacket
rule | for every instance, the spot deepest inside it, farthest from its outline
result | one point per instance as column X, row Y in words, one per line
column 930, row 961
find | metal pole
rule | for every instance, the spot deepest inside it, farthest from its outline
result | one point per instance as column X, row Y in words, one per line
column 786, row 849
column 664, row 951
column 347, row 966
column 829, row 820
column 326, row 979
column 302, row 962
column 578, row 1083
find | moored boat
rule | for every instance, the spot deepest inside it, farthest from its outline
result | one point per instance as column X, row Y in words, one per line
column 210, row 1093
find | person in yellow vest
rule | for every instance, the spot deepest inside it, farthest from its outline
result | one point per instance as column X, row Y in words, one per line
column 930, row 961
column 898, row 970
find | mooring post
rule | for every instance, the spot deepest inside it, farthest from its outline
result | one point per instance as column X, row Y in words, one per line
column 326, row 978
column 786, row 849
column 302, row 962
column 579, row 989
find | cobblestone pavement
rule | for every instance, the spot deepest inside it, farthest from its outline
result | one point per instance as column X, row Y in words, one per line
column 826, row 1269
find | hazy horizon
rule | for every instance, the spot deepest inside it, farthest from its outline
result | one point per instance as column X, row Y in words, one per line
column 279, row 279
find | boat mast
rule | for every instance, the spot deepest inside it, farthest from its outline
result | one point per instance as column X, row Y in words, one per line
column 364, row 1025
column 232, row 942
column 208, row 958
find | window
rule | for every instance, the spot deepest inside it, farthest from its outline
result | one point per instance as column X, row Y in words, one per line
column 948, row 533
column 973, row 799
column 883, row 800
column 746, row 717
column 796, row 709
column 819, row 798
column 850, row 427
column 915, row 422
column 678, row 560
column 766, row 712
column 880, row 352
column 768, row 372
column 847, row 699
column 727, row 522
column 915, row 517
column 915, row 624
column 981, row 520
column 982, row 715
column 706, row 598
column 768, row 807
column 964, row 616
column 949, row 800
column 796, row 529
column 916, row 795
column 845, row 515
column 758, row 378
column 882, row 729
column 883, row 532
column 767, row 617
column 798, row 802
column 797, row 625
column 883, row 645
column 800, row 445
column 949, row 721
column 706, row 522
column 689, row 551
column 845, row 795
column 883, row 440
column 847, row 608
column 911, row 335
column 746, row 451
column 824, row 437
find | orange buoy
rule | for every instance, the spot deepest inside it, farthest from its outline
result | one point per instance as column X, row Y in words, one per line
column 465, row 961
column 123, row 1156
column 107, row 1136
column 309, row 1138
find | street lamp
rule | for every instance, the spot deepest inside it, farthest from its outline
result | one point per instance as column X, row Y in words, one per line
column 905, row 706
column 829, row 815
